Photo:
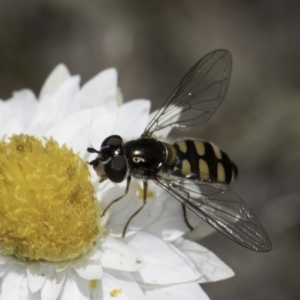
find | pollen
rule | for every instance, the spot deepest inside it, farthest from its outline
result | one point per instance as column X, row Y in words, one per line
column 48, row 209
column 93, row 283
column 115, row 292
column 140, row 193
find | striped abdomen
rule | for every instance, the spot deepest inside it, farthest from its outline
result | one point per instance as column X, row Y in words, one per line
column 202, row 160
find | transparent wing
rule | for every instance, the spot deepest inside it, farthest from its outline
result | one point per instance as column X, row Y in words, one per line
column 221, row 208
column 197, row 96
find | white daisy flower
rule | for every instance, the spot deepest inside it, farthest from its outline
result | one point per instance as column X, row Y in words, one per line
column 54, row 243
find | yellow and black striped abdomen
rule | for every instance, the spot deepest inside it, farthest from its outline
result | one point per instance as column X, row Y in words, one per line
column 202, row 160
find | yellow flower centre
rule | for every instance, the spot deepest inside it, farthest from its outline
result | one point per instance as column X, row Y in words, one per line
column 48, row 210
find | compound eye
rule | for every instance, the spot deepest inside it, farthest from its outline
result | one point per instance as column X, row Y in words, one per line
column 114, row 140
column 116, row 169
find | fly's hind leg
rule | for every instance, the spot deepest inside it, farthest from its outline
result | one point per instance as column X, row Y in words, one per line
column 184, row 210
column 185, row 218
column 145, row 186
column 119, row 198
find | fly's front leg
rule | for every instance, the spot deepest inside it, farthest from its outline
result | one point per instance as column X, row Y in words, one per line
column 145, row 187
column 119, row 198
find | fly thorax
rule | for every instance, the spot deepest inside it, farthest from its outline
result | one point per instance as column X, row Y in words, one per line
column 145, row 156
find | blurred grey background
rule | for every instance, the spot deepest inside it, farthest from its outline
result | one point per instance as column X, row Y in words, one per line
column 153, row 44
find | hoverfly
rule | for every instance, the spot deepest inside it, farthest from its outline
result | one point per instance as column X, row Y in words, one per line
column 195, row 172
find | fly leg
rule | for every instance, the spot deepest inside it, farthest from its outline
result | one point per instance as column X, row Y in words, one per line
column 184, row 209
column 145, row 186
column 119, row 198
column 185, row 218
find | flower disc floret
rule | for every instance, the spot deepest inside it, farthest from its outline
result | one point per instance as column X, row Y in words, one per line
column 48, row 210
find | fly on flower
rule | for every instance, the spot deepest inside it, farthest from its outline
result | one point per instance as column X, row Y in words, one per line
column 195, row 172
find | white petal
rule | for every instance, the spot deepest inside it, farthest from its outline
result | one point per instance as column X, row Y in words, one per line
column 53, row 285
column 36, row 275
column 86, row 269
column 55, row 108
column 186, row 291
column 171, row 225
column 125, row 208
column 122, row 283
column 96, row 291
column 8, row 123
column 7, row 259
column 75, row 288
column 119, row 256
column 5, row 115
column 164, row 132
column 164, row 264
column 57, row 77
column 23, row 105
column 100, row 90
column 35, row 296
column 132, row 118
column 3, row 269
column 14, row 283
column 102, row 123
column 208, row 264
column 61, row 266
column 201, row 231
column 73, row 131
column 93, row 254
column 119, row 96
column 13, row 126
